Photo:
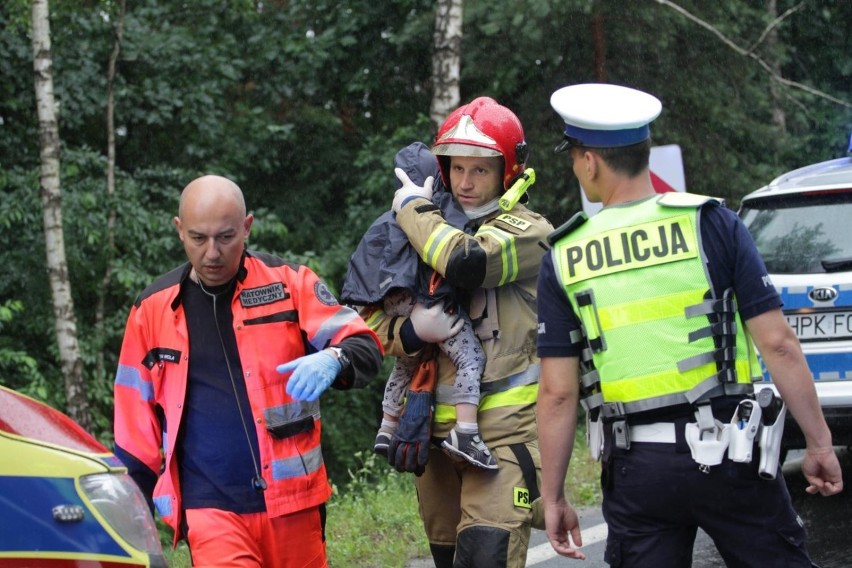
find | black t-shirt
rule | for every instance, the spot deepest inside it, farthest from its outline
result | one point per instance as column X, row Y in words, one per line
column 215, row 455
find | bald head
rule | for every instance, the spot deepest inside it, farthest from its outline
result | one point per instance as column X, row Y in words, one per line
column 212, row 190
column 213, row 226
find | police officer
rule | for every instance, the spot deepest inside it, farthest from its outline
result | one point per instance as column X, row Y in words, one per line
column 648, row 314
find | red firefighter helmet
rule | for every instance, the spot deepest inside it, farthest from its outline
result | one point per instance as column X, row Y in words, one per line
column 483, row 127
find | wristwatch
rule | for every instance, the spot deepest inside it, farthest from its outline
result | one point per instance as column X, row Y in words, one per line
column 342, row 357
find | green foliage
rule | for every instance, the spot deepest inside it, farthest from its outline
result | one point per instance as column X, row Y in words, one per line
column 26, row 286
column 19, row 126
column 375, row 521
column 175, row 557
column 350, row 422
column 304, row 103
column 17, row 367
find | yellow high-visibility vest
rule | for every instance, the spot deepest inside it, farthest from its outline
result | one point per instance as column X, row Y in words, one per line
column 636, row 277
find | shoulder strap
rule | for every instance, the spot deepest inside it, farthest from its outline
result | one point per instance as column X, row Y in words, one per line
column 682, row 199
column 527, row 468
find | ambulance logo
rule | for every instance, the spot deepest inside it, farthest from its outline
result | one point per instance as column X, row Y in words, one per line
column 324, row 295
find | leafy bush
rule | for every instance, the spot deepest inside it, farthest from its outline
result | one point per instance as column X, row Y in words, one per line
column 375, row 521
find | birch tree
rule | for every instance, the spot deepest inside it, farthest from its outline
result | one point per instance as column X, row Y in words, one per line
column 446, row 60
column 65, row 324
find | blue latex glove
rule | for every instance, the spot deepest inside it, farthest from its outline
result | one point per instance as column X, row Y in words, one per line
column 312, row 374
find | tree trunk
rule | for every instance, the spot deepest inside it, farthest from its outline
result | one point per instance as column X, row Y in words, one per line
column 109, row 253
column 446, row 60
column 779, row 117
column 600, row 45
column 51, row 200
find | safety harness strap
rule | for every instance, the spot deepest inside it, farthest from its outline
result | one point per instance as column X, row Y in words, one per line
column 707, row 307
column 724, row 355
column 527, row 469
column 723, row 328
column 528, row 376
column 592, row 401
column 625, row 408
column 590, row 379
column 588, row 313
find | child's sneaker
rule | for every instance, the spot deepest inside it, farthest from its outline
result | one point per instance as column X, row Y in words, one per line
column 469, row 447
column 381, row 444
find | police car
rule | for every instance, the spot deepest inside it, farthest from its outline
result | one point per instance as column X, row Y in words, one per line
column 802, row 224
column 65, row 500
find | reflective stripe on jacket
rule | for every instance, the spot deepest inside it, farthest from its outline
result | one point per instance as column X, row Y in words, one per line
column 281, row 311
column 635, row 276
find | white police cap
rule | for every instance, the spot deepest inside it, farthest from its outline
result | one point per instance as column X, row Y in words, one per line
column 599, row 115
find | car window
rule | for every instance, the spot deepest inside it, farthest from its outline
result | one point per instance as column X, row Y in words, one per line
column 802, row 234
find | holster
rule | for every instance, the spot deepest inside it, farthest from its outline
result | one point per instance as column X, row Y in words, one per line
column 771, row 432
column 594, row 434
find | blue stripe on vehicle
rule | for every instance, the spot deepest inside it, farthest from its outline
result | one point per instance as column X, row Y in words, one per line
column 824, row 366
column 27, row 521
column 830, row 366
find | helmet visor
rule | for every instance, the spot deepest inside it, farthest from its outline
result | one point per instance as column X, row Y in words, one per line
column 457, row 149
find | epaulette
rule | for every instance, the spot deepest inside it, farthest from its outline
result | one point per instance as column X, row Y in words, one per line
column 682, row 199
column 567, row 227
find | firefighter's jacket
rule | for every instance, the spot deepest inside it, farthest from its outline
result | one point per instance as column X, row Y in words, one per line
column 636, row 277
column 499, row 267
column 281, row 311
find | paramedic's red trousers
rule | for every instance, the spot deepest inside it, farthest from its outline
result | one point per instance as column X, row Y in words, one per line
column 221, row 538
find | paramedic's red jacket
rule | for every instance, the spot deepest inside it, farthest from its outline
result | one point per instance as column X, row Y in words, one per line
column 280, row 311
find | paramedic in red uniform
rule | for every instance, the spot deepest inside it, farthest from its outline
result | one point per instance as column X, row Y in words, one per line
column 217, row 414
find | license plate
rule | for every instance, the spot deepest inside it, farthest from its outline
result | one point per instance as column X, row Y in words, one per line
column 822, row 326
